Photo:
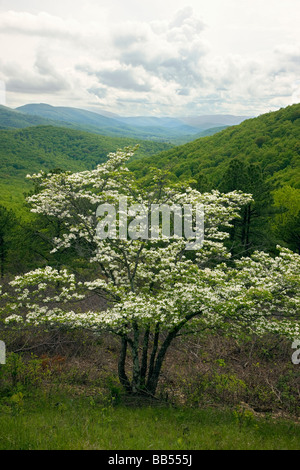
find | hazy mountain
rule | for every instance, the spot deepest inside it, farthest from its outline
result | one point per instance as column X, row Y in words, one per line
column 140, row 128
column 215, row 120
column 73, row 116
column 152, row 121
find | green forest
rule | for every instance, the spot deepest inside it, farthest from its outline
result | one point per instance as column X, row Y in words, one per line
column 32, row 149
column 260, row 156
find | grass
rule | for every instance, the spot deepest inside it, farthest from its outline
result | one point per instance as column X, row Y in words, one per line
column 85, row 424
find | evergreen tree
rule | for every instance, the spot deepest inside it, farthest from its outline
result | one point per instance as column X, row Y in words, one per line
column 8, row 223
column 252, row 230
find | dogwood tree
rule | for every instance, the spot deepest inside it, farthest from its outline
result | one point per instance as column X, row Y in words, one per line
column 154, row 288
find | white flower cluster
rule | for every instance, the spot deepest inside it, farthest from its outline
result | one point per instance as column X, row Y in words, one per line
column 147, row 282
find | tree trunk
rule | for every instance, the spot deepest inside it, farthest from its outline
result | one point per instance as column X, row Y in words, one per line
column 136, row 372
column 153, row 379
column 145, row 357
column 121, row 366
column 154, row 351
column 143, row 382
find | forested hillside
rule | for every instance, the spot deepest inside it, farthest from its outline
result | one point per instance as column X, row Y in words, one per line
column 271, row 141
column 259, row 156
column 45, row 147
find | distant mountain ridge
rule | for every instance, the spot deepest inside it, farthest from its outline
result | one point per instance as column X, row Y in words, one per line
column 140, row 127
column 216, row 120
column 10, row 118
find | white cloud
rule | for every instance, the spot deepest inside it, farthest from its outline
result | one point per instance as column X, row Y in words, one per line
column 183, row 62
column 41, row 25
column 41, row 78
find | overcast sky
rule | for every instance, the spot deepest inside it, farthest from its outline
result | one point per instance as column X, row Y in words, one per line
column 153, row 57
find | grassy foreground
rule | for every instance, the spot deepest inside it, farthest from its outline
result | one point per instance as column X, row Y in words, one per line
column 84, row 424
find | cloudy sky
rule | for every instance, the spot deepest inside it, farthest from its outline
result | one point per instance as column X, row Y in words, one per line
column 151, row 57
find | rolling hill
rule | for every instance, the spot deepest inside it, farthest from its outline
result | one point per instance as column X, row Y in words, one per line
column 30, row 150
column 11, row 119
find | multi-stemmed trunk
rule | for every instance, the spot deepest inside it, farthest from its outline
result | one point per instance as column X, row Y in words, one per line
column 147, row 356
